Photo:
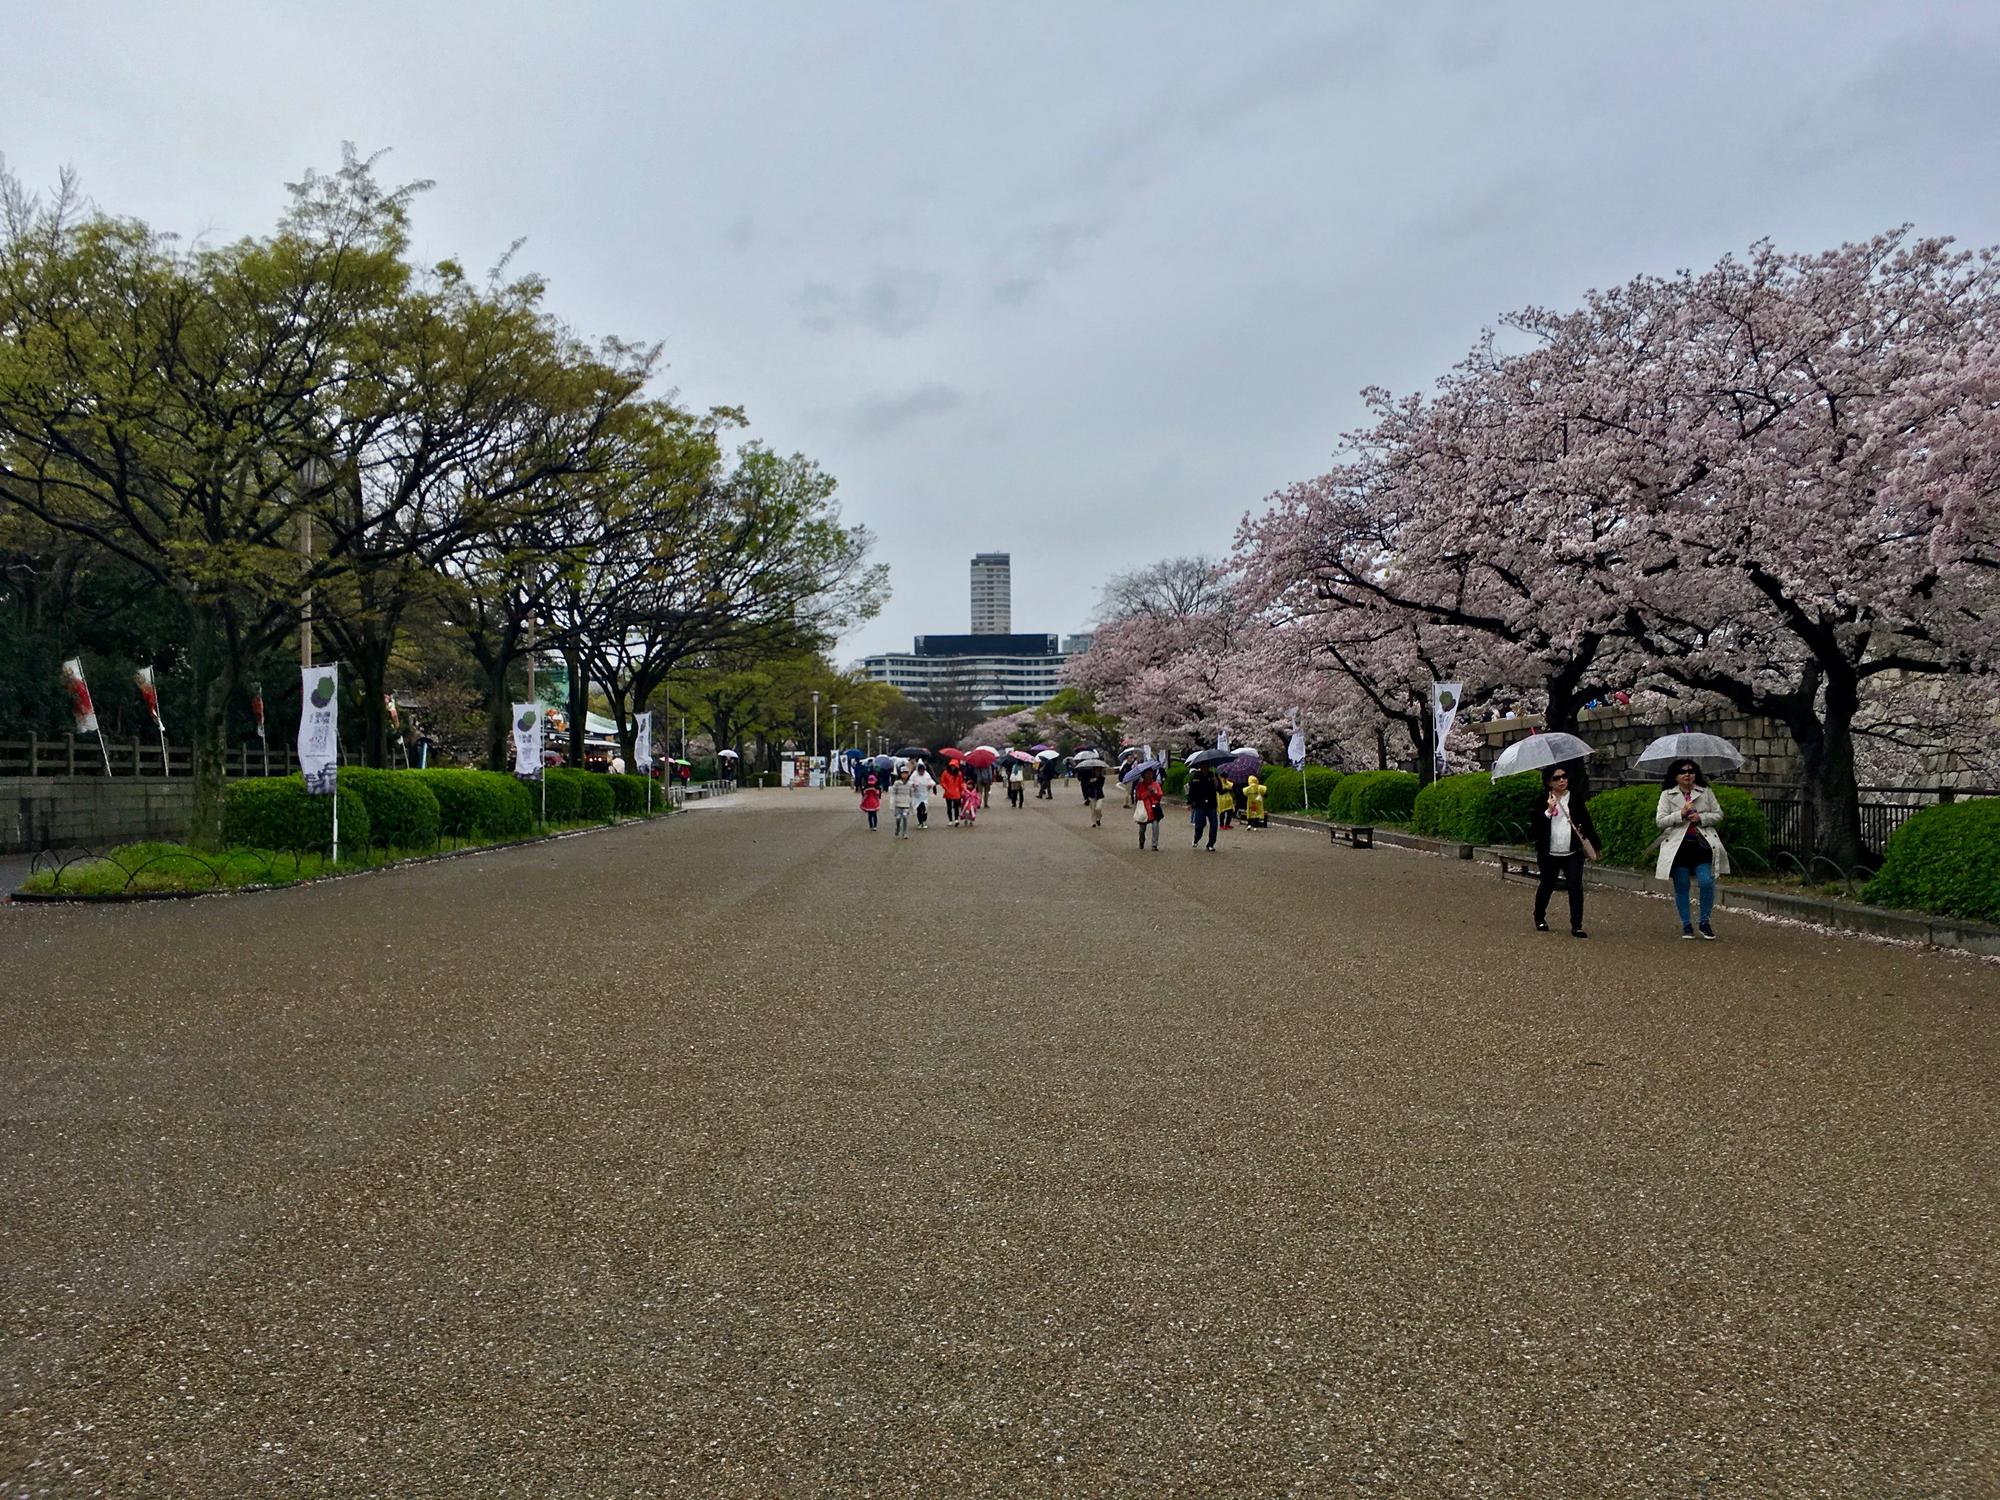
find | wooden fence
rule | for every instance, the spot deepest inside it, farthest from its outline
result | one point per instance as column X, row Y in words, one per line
column 79, row 755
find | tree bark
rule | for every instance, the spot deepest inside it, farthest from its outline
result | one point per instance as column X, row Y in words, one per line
column 1826, row 767
column 214, row 684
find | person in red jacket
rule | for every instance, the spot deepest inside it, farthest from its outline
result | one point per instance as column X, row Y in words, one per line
column 871, row 802
column 1148, row 796
column 951, row 782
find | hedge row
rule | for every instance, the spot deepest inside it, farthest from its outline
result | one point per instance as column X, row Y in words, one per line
column 402, row 811
column 1477, row 809
column 481, row 804
column 1373, row 797
column 275, row 812
column 628, row 791
column 1282, row 788
column 1945, row 859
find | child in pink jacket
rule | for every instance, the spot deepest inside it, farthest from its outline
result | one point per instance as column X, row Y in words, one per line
column 871, row 802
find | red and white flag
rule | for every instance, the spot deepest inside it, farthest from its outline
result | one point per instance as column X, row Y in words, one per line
column 149, row 695
column 79, row 696
column 257, row 708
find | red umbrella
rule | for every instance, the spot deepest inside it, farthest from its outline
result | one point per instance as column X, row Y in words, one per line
column 952, row 752
column 981, row 758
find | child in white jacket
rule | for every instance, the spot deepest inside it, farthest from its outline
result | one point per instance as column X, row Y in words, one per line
column 902, row 797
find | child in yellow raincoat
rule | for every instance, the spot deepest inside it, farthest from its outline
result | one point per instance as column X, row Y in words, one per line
column 1225, row 801
column 1253, row 804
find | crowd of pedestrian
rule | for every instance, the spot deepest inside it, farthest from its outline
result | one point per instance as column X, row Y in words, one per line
column 1691, row 855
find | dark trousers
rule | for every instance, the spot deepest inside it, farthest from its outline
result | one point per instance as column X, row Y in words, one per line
column 1204, row 816
column 1557, row 867
column 951, row 809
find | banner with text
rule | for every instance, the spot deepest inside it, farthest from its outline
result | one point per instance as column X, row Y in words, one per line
column 1444, row 711
column 642, row 744
column 319, row 728
column 527, row 739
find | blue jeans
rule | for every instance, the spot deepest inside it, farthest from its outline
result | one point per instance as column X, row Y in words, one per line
column 1704, row 876
column 1204, row 817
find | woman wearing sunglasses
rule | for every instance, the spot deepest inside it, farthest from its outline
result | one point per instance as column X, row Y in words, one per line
column 1564, row 838
column 1690, row 851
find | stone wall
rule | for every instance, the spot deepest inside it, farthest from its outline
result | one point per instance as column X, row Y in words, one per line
column 53, row 812
column 1770, row 758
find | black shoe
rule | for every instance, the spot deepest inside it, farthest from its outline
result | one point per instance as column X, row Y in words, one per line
column 1708, row 932
column 1578, row 932
column 1686, row 931
column 1540, row 925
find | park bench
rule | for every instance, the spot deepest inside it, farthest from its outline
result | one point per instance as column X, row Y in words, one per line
column 1358, row 835
column 1517, row 858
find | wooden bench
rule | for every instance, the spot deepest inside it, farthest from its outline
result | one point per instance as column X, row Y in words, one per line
column 1521, row 861
column 1359, row 835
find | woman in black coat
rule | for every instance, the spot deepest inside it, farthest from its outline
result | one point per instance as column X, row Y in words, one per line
column 1564, row 838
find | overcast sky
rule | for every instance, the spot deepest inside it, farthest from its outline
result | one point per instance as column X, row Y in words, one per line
column 1080, row 282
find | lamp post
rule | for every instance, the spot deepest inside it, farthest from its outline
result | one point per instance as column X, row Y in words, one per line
column 836, row 741
column 815, row 693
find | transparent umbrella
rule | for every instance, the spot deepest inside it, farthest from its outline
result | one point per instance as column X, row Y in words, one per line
column 1711, row 752
column 1538, row 751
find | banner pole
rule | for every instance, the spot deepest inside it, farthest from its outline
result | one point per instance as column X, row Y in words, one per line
column 336, row 820
column 166, row 766
column 101, row 750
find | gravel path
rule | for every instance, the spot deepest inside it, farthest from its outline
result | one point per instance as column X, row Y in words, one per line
column 749, row 1154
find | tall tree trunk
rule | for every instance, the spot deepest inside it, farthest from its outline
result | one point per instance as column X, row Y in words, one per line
column 214, row 684
column 1826, row 765
column 1568, row 687
column 371, row 671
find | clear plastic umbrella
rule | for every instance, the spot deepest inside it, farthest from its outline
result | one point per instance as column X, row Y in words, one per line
column 1711, row 752
column 1538, row 751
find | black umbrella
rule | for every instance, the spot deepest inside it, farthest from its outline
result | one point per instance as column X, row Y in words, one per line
column 1211, row 758
column 917, row 752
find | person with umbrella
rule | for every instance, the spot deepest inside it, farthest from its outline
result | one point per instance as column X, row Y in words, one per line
column 1689, row 851
column 1090, row 779
column 1564, row 838
column 951, row 785
column 1147, row 796
column 1017, row 782
column 1045, row 776
column 1202, row 793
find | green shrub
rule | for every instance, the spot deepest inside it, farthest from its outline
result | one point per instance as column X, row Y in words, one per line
column 1319, row 784
column 564, row 800
column 1176, row 779
column 1281, row 789
column 403, row 813
column 1372, row 797
column 1625, row 827
column 705, row 769
column 1476, row 808
column 1945, row 859
column 629, row 793
column 596, row 800
column 276, row 812
column 488, row 804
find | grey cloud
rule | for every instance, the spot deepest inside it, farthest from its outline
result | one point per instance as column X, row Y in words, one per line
column 879, row 413
column 741, row 233
column 892, row 302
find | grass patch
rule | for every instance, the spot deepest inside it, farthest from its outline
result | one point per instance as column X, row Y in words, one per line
column 150, row 869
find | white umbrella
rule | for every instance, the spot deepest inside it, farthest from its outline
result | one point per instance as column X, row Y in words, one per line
column 727, row 755
column 1711, row 752
column 1539, row 750
column 1045, row 755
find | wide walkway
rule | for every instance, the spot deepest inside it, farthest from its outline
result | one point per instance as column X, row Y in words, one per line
column 750, row 1154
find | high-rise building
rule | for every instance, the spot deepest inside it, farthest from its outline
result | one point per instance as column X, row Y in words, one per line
column 992, row 594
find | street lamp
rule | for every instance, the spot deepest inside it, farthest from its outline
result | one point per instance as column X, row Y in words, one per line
column 836, row 739
column 815, row 693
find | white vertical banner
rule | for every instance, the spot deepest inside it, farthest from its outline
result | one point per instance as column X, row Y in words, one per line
column 1295, row 752
column 149, row 694
column 1444, row 711
column 642, row 743
column 319, row 728
column 527, row 739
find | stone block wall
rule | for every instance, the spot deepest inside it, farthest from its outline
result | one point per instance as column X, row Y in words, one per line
column 52, row 812
column 1770, row 758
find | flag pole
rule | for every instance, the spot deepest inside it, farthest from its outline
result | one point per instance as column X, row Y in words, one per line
column 101, row 750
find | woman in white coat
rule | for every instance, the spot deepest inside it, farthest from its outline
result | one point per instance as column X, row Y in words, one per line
column 1690, row 851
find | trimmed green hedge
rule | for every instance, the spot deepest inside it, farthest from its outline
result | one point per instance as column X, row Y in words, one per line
column 629, row 793
column 1624, row 819
column 403, row 813
column 1945, row 859
column 1282, row 786
column 564, row 802
column 1373, row 797
column 595, row 799
column 1476, row 808
column 1176, row 779
column 488, row 804
column 276, row 812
